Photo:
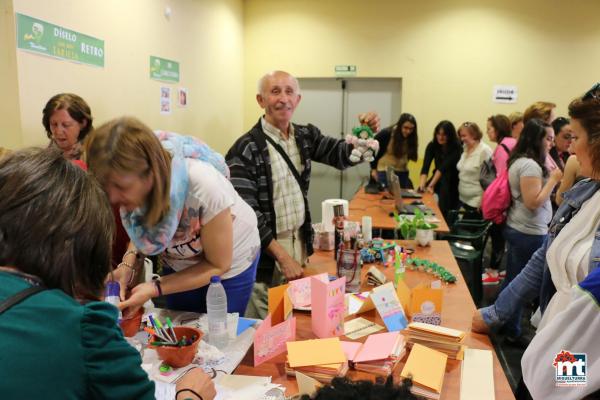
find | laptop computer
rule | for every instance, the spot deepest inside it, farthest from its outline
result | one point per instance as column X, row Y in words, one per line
column 406, row 193
column 396, row 192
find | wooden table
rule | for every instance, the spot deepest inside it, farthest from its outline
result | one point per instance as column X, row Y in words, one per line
column 379, row 208
column 457, row 310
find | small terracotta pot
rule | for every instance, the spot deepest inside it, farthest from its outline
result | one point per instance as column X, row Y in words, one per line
column 175, row 356
column 131, row 326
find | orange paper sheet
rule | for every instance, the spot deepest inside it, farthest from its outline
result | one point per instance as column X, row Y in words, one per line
column 315, row 352
column 426, row 366
column 280, row 305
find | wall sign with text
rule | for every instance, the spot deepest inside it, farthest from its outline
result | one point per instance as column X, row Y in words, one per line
column 507, row 94
column 52, row 40
column 164, row 70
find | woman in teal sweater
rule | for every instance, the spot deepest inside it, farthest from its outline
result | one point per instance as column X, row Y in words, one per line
column 60, row 342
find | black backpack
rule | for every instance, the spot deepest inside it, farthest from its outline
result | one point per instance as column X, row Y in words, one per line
column 487, row 172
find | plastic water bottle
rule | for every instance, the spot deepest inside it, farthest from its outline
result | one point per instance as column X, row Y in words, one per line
column 112, row 292
column 216, row 307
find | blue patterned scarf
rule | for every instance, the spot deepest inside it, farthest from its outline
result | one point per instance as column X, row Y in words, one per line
column 154, row 240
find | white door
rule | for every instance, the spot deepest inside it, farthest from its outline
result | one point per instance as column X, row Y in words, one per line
column 333, row 105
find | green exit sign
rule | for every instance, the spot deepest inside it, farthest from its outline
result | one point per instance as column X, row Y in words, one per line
column 345, row 70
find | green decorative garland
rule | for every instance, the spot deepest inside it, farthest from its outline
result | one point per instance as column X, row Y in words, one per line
column 432, row 268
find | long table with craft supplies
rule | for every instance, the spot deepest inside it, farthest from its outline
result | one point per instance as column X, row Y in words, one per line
column 379, row 208
column 456, row 313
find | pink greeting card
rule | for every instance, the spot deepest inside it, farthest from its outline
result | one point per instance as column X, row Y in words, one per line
column 299, row 290
column 379, row 346
column 328, row 307
column 270, row 341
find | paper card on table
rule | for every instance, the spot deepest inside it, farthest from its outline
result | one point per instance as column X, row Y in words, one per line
column 350, row 349
column 243, row 324
column 359, row 303
column 237, row 382
column 389, row 307
column 306, row 384
column 477, row 375
column 375, row 277
column 270, row 341
column 359, row 327
column 426, row 305
column 299, row 290
column 280, row 305
column 378, row 347
column 426, row 366
column 328, row 307
column 315, row 352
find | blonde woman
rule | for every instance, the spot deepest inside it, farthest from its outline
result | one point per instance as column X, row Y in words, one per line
column 475, row 152
column 176, row 202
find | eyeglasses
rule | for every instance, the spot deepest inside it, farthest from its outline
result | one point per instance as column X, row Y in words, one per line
column 591, row 94
column 467, row 124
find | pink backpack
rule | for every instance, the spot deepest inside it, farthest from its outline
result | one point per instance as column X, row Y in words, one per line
column 496, row 199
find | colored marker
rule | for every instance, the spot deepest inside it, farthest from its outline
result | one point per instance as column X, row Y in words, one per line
column 164, row 331
column 150, row 331
column 171, row 327
column 158, row 331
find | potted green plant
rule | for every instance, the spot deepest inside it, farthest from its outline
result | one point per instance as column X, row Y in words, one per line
column 415, row 227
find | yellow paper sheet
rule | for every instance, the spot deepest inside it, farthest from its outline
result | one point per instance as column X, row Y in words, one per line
column 426, row 366
column 315, row 352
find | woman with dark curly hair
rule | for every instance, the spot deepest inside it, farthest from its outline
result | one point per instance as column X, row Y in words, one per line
column 345, row 389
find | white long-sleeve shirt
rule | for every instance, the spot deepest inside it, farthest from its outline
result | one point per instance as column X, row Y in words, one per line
column 576, row 330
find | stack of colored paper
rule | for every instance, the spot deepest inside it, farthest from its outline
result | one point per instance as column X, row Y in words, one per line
column 379, row 354
column 321, row 359
column 448, row 341
column 427, row 368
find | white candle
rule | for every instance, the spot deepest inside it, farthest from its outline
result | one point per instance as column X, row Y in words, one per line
column 367, row 228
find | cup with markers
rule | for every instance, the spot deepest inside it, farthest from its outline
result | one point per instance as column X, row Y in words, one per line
column 175, row 345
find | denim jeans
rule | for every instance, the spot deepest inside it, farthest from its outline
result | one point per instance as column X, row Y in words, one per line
column 238, row 290
column 521, row 247
column 535, row 280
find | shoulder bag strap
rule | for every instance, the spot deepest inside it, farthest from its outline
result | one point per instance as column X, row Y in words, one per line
column 287, row 161
column 19, row 297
